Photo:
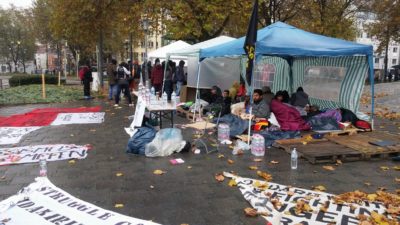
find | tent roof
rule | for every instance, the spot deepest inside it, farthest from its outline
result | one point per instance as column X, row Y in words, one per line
column 162, row 52
column 285, row 40
column 194, row 50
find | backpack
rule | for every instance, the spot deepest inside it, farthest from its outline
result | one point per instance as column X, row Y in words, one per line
column 82, row 72
column 121, row 73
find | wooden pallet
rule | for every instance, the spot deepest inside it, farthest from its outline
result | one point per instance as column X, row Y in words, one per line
column 349, row 131
column 320, row 150
column 360, row 142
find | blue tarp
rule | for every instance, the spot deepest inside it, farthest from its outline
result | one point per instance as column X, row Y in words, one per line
column 281, row 39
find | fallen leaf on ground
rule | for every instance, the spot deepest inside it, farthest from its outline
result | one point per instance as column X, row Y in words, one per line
column 265, row 175
column 314, row 171
column 92, row 130
column 231, row 147
column 338, row 162
column 232, row 183
column 220, row 156
column 396, row 167
column 2, row 178
column 319, row 188
column 274, row 162
column 253, row 167
column 384, row 168
column 230, row 161
column 151, row 187
column 257, row 160
column 72, row 161
column 304, row 143
column 260, row 184
column 214, row 145
column 397, row 179
column 71, row 135
column 330, row 168
column 158, row 172
column 367, row 183
column 119, row 174
column 119, row 205
column 189, row 167
column 219, row 177
column 250, row 212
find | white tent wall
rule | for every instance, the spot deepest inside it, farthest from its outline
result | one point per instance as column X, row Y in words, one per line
column 214, row 71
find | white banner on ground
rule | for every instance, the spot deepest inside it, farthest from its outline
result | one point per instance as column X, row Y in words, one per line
column 29, row 154
column 45, row 204
column 79, row 118
column 138, row 117
column 261, row 195
column 12, row 135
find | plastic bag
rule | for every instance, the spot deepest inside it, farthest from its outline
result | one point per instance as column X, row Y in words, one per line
column 240, row 146
column 166, row 142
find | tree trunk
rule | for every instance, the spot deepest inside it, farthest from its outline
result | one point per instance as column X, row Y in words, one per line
column 15, row 66
column 23, row 64
column 100, row 58
column 386, row 55
column 47, row 56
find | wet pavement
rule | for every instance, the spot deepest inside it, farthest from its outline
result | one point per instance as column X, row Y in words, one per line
column 186, row 193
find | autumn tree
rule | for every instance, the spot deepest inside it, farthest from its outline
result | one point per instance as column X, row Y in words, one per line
column 17, row 44
column 386, row 25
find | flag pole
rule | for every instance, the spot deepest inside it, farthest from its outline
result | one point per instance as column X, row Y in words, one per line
column 251, row 98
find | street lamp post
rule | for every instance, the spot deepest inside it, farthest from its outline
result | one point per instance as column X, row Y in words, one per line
column 145, row 24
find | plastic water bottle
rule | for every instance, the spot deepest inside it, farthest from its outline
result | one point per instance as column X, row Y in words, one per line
column 223, row 132
column 43, row 167
column 293, row 159
column 153, row 91
column 173, row 99
column 164, row 99
column 257, row 145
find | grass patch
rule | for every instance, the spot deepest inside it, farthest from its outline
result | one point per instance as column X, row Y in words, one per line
column 33, row 94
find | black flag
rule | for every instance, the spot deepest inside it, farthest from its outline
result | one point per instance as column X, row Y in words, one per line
column 250, row 42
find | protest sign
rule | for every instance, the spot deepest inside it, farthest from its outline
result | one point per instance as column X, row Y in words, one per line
column 138, row 117
column 279, row 203
column 12, row 135
column 43, row 203
column 78, row 118
column 29, row 154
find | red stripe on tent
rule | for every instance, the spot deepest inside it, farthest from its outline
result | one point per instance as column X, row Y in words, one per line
column 41, row 117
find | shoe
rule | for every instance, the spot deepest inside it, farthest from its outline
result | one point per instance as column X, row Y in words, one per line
column 130, row 105
column 116, row 105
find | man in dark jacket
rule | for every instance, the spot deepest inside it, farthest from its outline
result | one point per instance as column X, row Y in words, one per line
column 111, row 73
column 87, row 78
column 179, row 78
column 123, row 77
column 259, row 108
column 300, row 98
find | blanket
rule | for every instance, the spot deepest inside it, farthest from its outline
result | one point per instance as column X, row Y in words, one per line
column 288, row 117
column 236, row 124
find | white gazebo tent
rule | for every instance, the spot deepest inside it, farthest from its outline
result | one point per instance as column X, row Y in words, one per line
column 162, row 52
column 210, row 68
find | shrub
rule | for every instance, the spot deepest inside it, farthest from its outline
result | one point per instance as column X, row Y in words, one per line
column 18, row 80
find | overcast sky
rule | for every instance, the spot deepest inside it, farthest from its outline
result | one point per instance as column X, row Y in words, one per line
column 18, row 3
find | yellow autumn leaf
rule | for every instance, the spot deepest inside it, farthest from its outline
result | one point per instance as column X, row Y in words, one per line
column 319, row 188
column 119, row 174
column 219, row 177
column 274, row 162
column 72, row 161
column 119, row 205
column 232, row 183
column 220, row 156
column 230, row 161
column 372, row 197
column 396, row 168
column 158, row 172
column 330, row 168
column 257, row 160
column 384, row 168
column 253, row 167
column 397, row 179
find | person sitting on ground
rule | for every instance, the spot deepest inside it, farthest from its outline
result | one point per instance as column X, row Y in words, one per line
column 233, row 91
column 215, row 101
column 226, row 109
column 288, row 117
column 300, row 98
column 267, row 94
column 123, row 77
column 260, row 109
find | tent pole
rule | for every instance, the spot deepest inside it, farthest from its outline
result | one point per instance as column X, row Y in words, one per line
column 165, row 70
column 197, row 90
column 371, row 81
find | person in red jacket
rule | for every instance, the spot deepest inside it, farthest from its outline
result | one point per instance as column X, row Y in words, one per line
column 157, row 76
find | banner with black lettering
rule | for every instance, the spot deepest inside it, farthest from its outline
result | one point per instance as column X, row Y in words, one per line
column 30, row 154
column 290, row 205
column 78, row 118
column 43, row 203
column 12, row 135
